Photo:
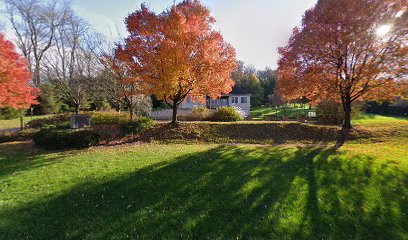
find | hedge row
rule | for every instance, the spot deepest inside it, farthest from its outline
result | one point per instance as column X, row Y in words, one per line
column 222, row 114
column 243, row 132
column 17, row 136
column 57, row 121
column 61, row 139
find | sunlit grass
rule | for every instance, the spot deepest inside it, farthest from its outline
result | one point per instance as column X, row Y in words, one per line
column 262, row 111
column 215, row 191
column 211, row 191
column 374, row 119
column 15, row 123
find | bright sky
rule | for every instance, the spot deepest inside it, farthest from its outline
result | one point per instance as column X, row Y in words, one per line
column 256, row 28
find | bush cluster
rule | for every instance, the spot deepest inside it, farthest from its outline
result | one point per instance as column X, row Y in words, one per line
column 108, row 118
column 136, row 126
column 331, row 112
column 8, row 113
column 386, row 108
column 226, row 114
column 17, row 136
column 197, row 114
column 60, row 121
column 62, row 139
column 6, row 137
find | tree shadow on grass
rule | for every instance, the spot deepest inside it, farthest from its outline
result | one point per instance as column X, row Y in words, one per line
column 21, row 156
column 228, row 192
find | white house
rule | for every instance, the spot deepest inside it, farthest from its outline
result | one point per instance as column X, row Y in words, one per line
column 238, row 97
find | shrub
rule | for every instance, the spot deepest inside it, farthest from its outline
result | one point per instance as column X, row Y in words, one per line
column 6, row 137
column 226, row 114
column 136, row 126
column 107, row 118
column 357, row 109
column 197, row 114
column 8, row 113
column 331, row 112
column 23, row 135
column 56, row 121
column 399, row 108
column 59, row 125
column 61, row 139
column 200, row 114
column 108, row 132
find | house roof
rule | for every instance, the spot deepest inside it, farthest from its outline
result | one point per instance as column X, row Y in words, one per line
column 237, row 90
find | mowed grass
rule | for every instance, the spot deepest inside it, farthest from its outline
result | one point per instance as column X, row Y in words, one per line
column 205, row 191
column 258, row 113
column 374, row 119
column 15, row 123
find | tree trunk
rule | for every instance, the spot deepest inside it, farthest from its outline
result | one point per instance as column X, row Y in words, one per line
column 131, row 113
column 174, row 119
column 77, row 107
column 22, row 120
column 347, row 114
column 37, row 78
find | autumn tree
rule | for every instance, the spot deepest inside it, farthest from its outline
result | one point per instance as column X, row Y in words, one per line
column 15, row 90
column 177, row 53
column 346, row 50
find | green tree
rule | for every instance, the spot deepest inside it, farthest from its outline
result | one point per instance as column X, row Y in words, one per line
column 268, row 81
column 253, row 85
column 49, row 100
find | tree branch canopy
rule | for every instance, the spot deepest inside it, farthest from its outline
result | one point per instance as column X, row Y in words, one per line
column 177, row 53
column 338, row 52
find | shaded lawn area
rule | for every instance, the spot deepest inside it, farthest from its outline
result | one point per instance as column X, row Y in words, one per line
column 259, row 132
column 15, row 123
column 200, row 191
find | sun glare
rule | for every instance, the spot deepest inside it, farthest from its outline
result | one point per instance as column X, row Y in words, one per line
column 383, row 30
column 399, row 14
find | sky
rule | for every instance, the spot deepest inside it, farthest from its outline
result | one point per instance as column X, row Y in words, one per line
column 256, row 28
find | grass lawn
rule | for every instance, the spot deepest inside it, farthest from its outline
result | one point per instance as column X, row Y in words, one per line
column 15, row 123
column 258, row 113
column 373, row 119
column 200, row 191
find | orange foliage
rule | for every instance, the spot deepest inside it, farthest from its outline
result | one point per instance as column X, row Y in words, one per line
column 15, row 91
column 338, row 48
column 177, row 53
column 339, row 54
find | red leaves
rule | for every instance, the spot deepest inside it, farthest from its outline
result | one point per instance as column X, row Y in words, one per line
column 15, row 91
column 177, row 53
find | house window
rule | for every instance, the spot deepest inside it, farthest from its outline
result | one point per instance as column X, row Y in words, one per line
column 234, row 99
column 244, row 100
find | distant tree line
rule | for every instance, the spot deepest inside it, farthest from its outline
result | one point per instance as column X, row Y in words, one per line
column 260, row 83
column 68, row 60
